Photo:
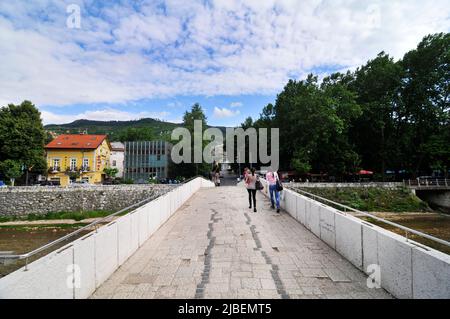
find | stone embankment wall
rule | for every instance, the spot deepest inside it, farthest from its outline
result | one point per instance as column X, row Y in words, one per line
column 21, row 201
column 437, row 199
column 388, row 185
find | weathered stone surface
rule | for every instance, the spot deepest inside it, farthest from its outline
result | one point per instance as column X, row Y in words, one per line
column 215, row 247
column 20, row 201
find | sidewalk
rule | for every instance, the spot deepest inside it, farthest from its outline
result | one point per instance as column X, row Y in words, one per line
column 215, row 247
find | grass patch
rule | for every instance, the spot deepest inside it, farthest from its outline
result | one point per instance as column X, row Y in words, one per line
column 77, row 216
column 43, row 226
column 373, row 199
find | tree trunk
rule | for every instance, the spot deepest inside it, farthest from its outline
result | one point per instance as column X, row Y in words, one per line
column 383, row 155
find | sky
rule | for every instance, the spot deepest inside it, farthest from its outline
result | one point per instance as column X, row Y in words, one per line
column 124, row 60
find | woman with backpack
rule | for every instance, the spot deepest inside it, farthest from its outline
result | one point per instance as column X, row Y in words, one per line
column 274, row 189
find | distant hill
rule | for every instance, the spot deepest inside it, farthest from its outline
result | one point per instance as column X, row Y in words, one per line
column 116, row 129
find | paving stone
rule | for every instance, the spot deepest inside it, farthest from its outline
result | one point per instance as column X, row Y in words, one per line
column 268, row 284
column 251, row 283
column 248, row 255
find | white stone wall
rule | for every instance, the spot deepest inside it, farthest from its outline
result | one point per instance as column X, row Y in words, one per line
column 407, row 268
column 77, row 269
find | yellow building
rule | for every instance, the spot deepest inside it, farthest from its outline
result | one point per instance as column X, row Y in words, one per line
column 78, row 157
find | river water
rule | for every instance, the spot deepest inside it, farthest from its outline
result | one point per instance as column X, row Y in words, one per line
column 22, row 239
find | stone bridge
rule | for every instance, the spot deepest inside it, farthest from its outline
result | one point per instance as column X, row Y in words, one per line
column 198, row 241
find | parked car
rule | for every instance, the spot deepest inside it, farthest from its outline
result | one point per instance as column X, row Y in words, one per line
column 80, row 184
column 48, row 183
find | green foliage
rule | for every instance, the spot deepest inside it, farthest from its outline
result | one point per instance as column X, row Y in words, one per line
column 139, row 130
column 372, row 199
column 152, row 180
column 192, row 169
column 77, row 216
column 22, row 136
column 73, row 174
column 314, row 121
column 386, row 115
column 128, row 181
column 111, row 172
column 11, row 169
column 132, row 134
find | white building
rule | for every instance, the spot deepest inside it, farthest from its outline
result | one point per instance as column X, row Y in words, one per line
column 220, row 156
column 117, row 158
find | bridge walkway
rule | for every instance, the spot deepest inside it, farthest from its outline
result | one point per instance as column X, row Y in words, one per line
column 216, row 247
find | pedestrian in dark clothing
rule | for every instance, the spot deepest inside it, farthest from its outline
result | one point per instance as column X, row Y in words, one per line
column 250, row 181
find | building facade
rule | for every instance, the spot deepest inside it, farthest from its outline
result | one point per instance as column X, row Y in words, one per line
column 78, row 157
column 146, row 159
column 220, row 156
column 117, row 159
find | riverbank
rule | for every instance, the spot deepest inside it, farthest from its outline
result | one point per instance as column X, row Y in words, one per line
column 396, row 205
column 434, row 224
column 23, row 234
column 26, row 236
column 68, row 217
column 372, row 199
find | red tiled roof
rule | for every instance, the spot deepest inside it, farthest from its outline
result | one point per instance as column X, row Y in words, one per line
column 76, row 141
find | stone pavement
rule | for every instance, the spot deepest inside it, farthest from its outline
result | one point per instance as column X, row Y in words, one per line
column 215, row 247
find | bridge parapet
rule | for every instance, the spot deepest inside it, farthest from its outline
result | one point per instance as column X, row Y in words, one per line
column 407, row 269
column 77, row 269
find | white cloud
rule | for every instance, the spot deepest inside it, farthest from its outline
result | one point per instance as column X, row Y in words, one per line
column 135, row 51
column 236, row 104
column 107, row 114
column 176, row 104
column 221, row 113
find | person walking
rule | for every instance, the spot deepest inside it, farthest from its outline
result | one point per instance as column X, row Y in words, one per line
column 250, row 181
column 244, row 175
column 272, row 179
column 216, row 173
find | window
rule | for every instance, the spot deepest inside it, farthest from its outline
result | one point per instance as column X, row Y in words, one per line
column 158, row 157
column 56, row 163
column 73, row 164
column 85, row 163
column 114, row 163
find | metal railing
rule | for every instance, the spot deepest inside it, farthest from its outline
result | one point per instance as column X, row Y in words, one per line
column 427, row 182
column 30, row 254
column 347, row 208
column 103, row 220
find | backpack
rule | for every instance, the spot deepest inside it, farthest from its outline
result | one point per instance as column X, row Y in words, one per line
column 279, row 185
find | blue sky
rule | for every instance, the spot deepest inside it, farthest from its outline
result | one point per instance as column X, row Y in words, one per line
column 134, row 59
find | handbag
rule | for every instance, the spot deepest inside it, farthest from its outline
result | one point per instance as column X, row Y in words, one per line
column 279, row 186
column 258, row 185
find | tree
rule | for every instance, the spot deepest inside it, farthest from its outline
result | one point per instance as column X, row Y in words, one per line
column 22, row 136
column 386, row 115
column 424, row 120
column 111, row 172
column 192, row 169
column 376, row 85
column 11, row 169
column 314, row 121
column 136, row 134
